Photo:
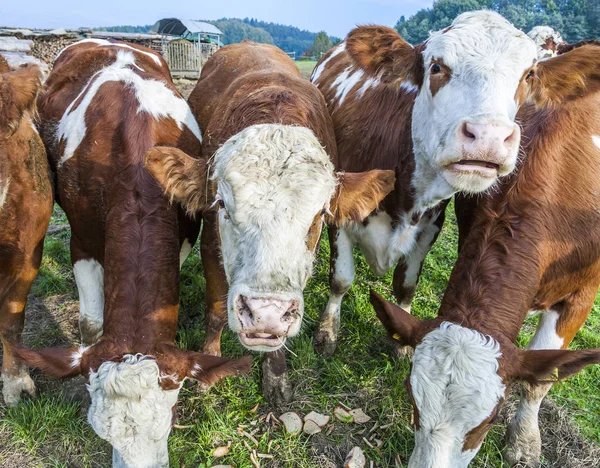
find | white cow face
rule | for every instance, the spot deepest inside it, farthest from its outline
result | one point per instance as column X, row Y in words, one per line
column 459, row 379
column 463, row 125
column 457, row 393
column 131, row 411
column 274, row 186
column 469, row 80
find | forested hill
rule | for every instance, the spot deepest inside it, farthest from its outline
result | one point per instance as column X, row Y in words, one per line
column 288, row 38
column 574, row 19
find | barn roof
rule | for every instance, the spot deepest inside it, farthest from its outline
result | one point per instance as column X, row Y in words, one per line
column 180, row 27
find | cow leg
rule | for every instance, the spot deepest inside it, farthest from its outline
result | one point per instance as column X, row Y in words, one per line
column 556, row 329
column 276, row 386
column 13, row 293
column 89, row 276
column 341, row 276
column 216, row 285
column 408, row 270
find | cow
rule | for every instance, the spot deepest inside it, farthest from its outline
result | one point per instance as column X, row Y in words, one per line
column 271, row 149
column 106, row 104
column 441, row 114
column 533, row 247
column 547, row 41
column 25, row 210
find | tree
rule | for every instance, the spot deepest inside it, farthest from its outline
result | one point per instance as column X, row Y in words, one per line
column 574, row 19
column 321, row 44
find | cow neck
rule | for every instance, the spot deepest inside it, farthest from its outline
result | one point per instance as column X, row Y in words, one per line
column 498, row 272
column 141, row 263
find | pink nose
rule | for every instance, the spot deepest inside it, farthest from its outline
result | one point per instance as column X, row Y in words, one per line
column 266, row 315
column 498, row 141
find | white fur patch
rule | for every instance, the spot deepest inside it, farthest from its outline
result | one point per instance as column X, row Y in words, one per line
column 368, row 84
column 89, row 276
column 78, row 355
column 105, row 43
column 545, row 336
column 409, row 87
column 131, row 411
column 4, row 186
column 185, row 250
column 343, row 276
column 341, row 47
column 596, row 140
column 383, row 246
column 83, row 41
column 274, row 180
column 539, row 35
column 153, row 96
column 456, row 387
column 346, row 82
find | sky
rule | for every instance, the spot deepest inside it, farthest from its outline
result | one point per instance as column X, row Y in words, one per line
column 336, row 17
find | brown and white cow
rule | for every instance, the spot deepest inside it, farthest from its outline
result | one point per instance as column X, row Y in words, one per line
column 533, row 247
column 25, row 210
column 441, row 114
column 105, row 105
column 550, row 43
column 547, row 41
column 271, row 147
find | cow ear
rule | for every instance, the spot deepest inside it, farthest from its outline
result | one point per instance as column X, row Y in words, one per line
column 358, row 194
column 542, row 366
column 381, row 52
column 18, row 92
column 210, row 369
column 56, row 362
column 399, row 324
column 566, row 77
column 183, row 178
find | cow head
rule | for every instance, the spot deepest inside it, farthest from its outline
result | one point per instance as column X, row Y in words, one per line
column 273, row 185
column 134, row 396
column 546, row 40
column 466, row 79
column 460, row 378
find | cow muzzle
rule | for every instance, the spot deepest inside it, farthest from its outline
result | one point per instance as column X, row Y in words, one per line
column 264, row 323
column 486, row 151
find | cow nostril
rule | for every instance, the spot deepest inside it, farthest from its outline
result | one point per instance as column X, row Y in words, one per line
column 291, row 312
column 244, row 308
column 466, row 133
column 512, row 136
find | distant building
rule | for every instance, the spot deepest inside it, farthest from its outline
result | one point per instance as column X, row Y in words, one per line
column 187, row 44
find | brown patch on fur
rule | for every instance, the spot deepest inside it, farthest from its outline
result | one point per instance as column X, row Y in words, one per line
column 182, row 177
column 438, row 80
column 359, row 194
column 314, row 233
column 474, row 438
column 381, row 52
column 564, row 47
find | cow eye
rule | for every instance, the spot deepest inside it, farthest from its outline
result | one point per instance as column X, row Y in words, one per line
column 530, row 74
column 221, row 203
column 436, row 68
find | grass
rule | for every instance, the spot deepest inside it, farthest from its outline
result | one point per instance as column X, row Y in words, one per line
column 306, row 67
column 363, row 373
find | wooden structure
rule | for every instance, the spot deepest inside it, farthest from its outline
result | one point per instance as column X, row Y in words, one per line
column 187, row 44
